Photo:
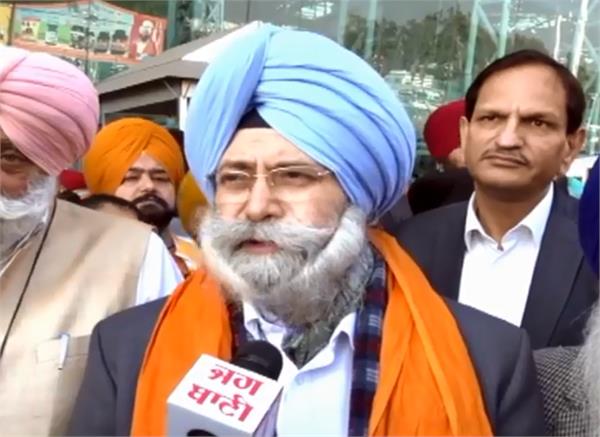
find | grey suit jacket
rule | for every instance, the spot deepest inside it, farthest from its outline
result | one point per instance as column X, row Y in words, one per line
column 500, row 353
column 561, row 381
column 563, row 288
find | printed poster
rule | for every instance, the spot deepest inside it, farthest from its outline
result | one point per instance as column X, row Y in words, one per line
column 93, row 34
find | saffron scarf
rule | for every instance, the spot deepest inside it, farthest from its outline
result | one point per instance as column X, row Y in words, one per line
column 427, row 383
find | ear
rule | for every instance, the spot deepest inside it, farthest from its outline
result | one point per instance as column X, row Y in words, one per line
column 573, row 146
column 464, row 132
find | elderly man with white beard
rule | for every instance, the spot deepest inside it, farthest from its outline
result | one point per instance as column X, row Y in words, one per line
column 570, row 376
column 62, row 268
column 300, row 146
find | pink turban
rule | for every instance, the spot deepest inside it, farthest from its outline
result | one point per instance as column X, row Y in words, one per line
column 48, row 108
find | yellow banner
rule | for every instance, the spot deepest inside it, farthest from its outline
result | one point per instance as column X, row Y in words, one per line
column 5, row 16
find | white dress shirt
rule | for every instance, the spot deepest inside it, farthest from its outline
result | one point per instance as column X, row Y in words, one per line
column 159, row 275
column 315, row 401
column 496, row 277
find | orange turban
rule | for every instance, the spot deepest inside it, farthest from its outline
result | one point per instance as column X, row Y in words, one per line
column 120, row 143
column 189, row 198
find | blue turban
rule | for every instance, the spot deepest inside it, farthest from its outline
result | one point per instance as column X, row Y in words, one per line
column 589, row 218
column 323, row 98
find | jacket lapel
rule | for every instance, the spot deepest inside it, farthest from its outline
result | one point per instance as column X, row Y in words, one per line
column 450, row 252
column 554, row 274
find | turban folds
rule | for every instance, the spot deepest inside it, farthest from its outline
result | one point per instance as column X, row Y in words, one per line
column 442, row 129
column 589, row 218
column 323, row 98
column 189, row 198
column 119, row 145
column 48, row 108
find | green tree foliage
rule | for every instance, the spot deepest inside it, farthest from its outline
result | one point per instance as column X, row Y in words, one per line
column 436, row 44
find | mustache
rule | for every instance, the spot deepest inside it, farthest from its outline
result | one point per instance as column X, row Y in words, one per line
column 284, row 235
column 150, row 198
column 40, row 195
column 512, row 155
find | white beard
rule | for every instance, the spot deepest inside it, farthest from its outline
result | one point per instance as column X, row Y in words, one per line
column 298, row 283
column 590, row 361
column 21, row 217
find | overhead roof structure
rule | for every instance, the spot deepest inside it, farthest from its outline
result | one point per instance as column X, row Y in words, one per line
column 165, row 83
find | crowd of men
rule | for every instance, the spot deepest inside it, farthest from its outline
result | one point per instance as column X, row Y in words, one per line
column 462, row 303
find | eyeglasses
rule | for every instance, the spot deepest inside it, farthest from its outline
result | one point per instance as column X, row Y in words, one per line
column 286, row 183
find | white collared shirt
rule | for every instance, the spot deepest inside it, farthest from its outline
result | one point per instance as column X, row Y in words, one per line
column 159, row 275
column 315, row 401
column 496, row 277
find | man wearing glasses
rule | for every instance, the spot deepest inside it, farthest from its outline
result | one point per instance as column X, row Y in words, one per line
column 299, row 151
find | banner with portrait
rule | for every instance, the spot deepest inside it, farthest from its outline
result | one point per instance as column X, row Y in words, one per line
column 89, row 33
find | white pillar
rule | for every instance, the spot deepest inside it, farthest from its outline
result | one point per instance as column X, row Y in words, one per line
column 182, row 109
column 579, row 37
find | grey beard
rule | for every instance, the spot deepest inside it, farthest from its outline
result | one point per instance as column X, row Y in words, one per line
column 23, row 217
column 589, row 360
column 297, row 285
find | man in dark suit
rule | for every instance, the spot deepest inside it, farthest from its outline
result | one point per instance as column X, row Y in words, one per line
column 512, row 250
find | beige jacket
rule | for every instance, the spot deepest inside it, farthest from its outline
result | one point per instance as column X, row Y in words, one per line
column 88, row 268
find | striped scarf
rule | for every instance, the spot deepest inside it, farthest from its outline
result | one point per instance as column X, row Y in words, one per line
column 367, row 345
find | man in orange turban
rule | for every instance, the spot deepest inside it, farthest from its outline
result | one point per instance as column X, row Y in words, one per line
column 139, row 161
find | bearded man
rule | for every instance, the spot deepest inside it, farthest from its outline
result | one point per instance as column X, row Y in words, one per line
column 62, row 268
column 140, row 161
column 298, row 144
column 570, row 376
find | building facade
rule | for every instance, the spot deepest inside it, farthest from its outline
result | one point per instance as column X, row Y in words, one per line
column 427, row 50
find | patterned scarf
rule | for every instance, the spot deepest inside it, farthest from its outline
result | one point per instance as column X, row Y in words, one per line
column 367, row 345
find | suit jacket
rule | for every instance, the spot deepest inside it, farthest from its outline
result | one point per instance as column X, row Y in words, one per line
column 563, row 288
column 500, row 352
column 561, row 381
column 437, row 189
column 395, row 216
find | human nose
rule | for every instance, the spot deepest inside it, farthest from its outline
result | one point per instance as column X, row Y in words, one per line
column 146, row 184
column 261, row 204
column 509, row 135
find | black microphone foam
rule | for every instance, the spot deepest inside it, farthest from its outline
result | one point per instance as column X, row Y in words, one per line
column 260, row 357
column 199, row 433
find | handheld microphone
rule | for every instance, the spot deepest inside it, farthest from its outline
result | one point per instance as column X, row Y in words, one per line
column 216, row 398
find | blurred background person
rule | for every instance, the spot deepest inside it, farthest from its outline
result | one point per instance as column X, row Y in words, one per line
column 570, row 376
column 73, row 180
column 441, row 133
column 451, row 181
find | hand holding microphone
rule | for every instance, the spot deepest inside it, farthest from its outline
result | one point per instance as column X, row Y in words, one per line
column 228, row 399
